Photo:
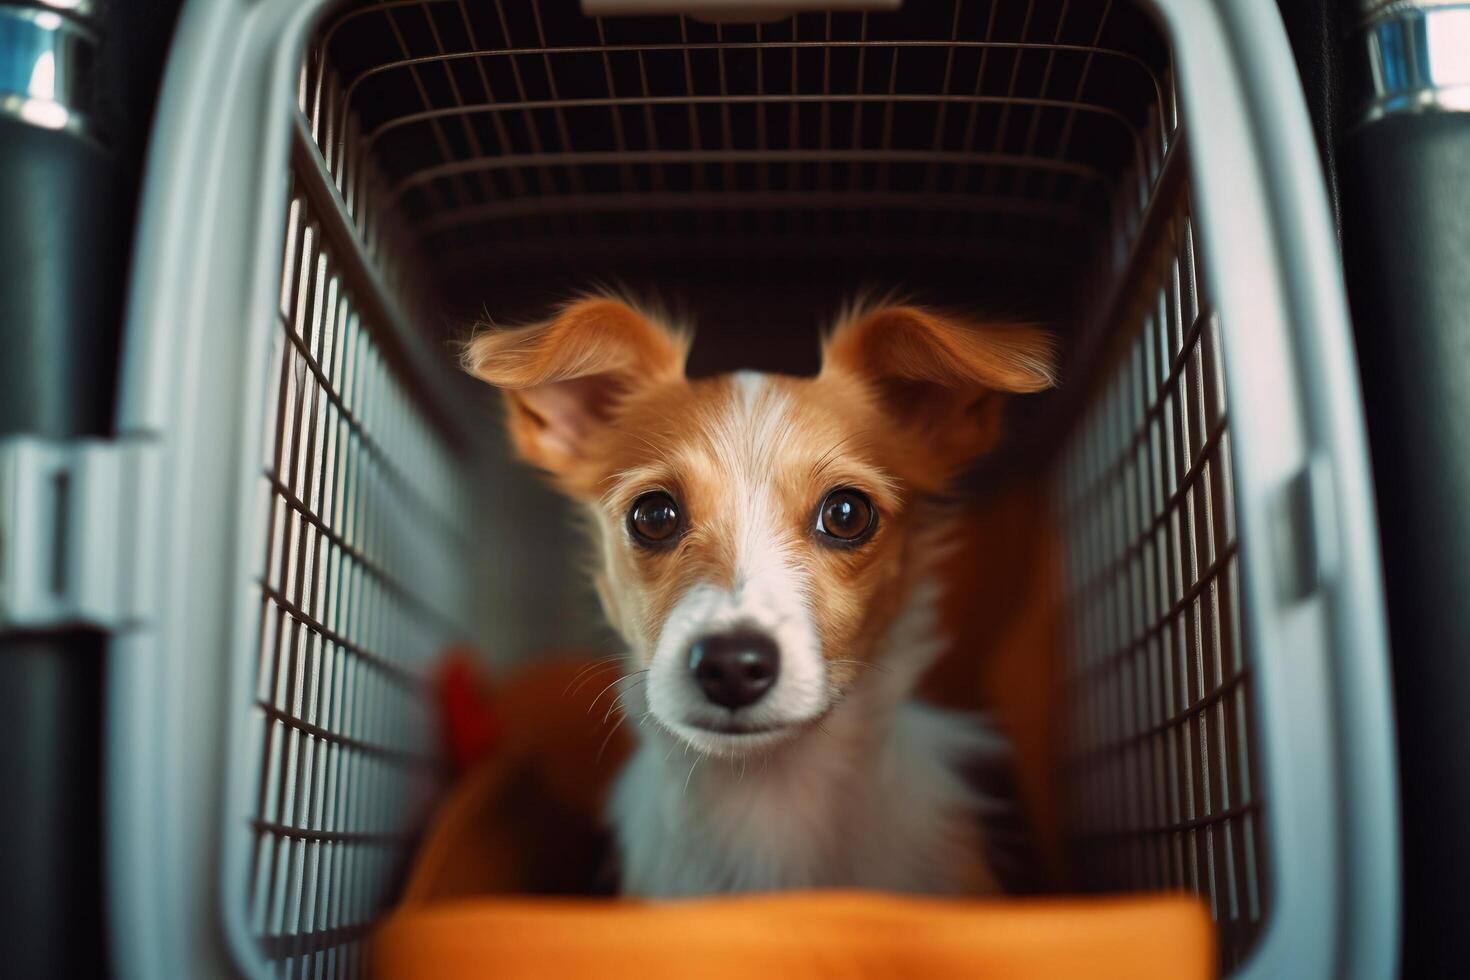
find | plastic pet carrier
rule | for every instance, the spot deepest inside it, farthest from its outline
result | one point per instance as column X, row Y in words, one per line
column 311, row 504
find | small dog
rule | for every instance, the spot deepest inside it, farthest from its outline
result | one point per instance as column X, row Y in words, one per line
column 767, row 549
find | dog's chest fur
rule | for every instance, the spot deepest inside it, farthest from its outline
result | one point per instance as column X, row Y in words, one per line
column 874, row 798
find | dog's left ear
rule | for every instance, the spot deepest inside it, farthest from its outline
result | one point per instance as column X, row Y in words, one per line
column 942, row 377
column 563, row 379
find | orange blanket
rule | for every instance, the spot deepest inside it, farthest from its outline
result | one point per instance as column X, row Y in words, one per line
column 793, row 936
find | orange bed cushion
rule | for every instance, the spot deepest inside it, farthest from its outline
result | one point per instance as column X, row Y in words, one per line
column 526, row 820
column 799, row 935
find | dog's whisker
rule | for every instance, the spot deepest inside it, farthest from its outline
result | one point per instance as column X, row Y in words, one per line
column 611, row 708
column 609, row 686
column 582, row 672
column 691, row 775
column 608, row 737
column 615, row 683
column 619, row 700
column 591, row 665
column 602, row 672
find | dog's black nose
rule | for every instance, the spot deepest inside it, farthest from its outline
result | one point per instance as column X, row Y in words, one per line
column 735, row 669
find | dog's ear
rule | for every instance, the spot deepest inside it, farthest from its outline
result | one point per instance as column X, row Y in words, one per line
column 562, row 378
column 941, row 377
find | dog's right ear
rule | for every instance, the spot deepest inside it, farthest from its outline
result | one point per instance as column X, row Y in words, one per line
column 563, row 378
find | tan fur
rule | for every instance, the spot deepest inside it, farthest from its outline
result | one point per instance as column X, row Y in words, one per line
column 904, row 397
column 563, row 378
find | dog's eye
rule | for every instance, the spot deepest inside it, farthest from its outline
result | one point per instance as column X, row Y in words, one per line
column 654, row 517
column 847, row 516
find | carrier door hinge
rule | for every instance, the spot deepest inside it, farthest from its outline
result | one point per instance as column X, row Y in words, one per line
column 69, row 534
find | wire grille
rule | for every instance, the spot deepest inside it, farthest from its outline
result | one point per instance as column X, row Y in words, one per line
column 521, row 139
column 363, row 570
column 513, row 132
column 1160, row 685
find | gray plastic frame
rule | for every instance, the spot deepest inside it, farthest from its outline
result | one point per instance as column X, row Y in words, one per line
column 200, row 314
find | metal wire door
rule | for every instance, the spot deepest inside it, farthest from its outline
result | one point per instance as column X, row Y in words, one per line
column 364, row 569
column 514, row 140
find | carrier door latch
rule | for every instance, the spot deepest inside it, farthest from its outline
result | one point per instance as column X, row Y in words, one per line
column 69, row 535
column 1306, row 537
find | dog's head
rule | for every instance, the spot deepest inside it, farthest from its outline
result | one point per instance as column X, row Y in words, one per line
column 757, row 533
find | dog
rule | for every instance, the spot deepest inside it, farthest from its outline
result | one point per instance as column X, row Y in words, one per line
column 767, row 547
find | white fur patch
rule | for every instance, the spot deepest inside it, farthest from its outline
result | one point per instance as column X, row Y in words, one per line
column 873, row 798
column 750, row 384
column 769, row 594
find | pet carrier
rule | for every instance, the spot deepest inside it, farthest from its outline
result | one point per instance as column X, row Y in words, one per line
column 311, row 510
